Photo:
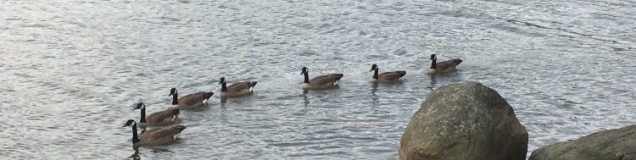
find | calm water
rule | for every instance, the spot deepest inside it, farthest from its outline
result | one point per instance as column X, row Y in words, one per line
column 72, row 69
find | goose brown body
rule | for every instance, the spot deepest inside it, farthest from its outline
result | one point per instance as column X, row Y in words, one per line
column 386, row 77
column 321, row 82
column 237, row 89
column 157, row 136
column 189, row 101
column 160, row 118
column 444, row 66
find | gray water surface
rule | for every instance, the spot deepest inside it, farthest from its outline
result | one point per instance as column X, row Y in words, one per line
column 72, row 69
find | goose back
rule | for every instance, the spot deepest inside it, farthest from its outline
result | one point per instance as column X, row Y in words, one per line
column 161, row 118
column 390, row 77
column 195, row 99
column 323, row 81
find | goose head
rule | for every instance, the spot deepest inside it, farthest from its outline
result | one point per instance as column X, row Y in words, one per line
column 173, row 91
column 304, row 70
column 129, row 123
column 373, row 67
column 222, row 80
column 140, row 105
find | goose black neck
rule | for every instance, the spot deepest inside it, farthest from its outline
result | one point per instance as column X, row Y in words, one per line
column 143, row 115
column 223, row 87
column 375, row 74
column 135, row 139
column 306, row 77
column 434, row 63
column 175, row 98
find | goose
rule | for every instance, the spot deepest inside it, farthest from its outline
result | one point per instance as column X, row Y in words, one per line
column 237, row 89
column 444, row 66
column 326, row 81
column 158, row 118
column 189, row 101
column 157, row 136
column 386, row 77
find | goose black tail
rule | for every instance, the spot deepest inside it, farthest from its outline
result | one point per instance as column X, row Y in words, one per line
column 402, row 73
column 208, row 95
column 179, row 127
column 339, row 76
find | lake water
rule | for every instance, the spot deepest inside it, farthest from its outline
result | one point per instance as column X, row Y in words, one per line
column 71, row 69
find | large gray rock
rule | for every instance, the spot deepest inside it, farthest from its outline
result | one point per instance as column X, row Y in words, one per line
column 616, row 144
column 465, row 121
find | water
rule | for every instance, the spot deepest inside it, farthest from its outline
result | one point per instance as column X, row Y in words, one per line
column 72, row 69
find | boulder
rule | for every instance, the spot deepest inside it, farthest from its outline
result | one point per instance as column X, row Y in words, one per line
column 464, row 121
column 616, row 144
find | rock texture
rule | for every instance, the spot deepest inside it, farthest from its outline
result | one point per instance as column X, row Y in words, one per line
column 464, row 121
column 616, row 144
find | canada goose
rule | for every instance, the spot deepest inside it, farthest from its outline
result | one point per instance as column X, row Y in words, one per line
column 320, row 82
column 157, row 136
column 189, row 101
column 386, row 77
column 158, row 118
column 444, row 66
column 237, row 89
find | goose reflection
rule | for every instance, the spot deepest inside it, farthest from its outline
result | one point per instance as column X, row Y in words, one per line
column 374, row 88
column 135, row 156
column 305, row 98
column 433, row 82
column 223, row 101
